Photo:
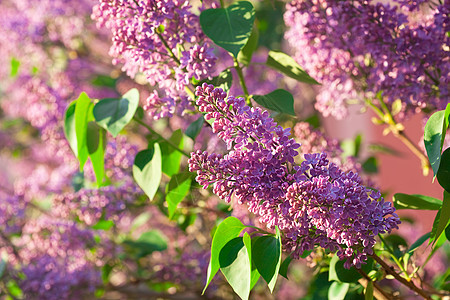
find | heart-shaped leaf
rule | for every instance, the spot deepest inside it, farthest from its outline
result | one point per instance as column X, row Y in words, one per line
column 405, row 201
column 231, row 27
column 279, row 100
column 434, row 134
column 176, row 190
column 266, row 254
column 114, row 114
column 147, row 170
column 230, row 228
column 287, row 65
column 82, row 116
column 235, row 265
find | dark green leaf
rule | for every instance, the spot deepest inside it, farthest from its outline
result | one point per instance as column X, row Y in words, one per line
column 224, row 80
column 106, row 271
column 15, row 64
column 434, row 134
column 266, row 254
column 447, row 232
column 69, row 127
column 444, row 216
column 279, row 100
column 339, row 273
column 235, row 265
column 103, row 225
column 171, row 158
column 285, row 64
column 114, row 114
column 405, row 201
column 231, row 27
column 338, row 290
column 176, row 190
column 443, row 174
column 254, row 271
column 104, row 81
column 419, row 242
column 368, row 295
column 370, row 165
column 229, row 229
column 96, row 144
column 83, row 114
column 2, row 267
column 147, row 243
column 194, row 128
column 147, row 170
column 284, row 267
column 245, row 56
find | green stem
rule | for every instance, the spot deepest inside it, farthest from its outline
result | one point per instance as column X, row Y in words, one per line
column 242, row 81
column 168, row 48
column 397, row 262
column 221, row 4
column 396, row 128
column 161, row 137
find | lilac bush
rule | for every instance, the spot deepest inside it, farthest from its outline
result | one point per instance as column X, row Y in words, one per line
column 144, row 176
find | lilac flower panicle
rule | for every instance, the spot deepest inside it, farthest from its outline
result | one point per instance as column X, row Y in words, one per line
column 161, row 39
column 315, row 203
column 359, row 48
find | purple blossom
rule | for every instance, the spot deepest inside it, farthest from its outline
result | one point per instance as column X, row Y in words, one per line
column 357, row 49
column 149, row 37
column 315, row 203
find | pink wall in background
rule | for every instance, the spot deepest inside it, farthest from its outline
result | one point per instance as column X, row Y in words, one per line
column 397, row 174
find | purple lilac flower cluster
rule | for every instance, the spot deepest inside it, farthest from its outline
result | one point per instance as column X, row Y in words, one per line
column 161, row 39
column 315, row 203
column 357, row 49
column 56, row 260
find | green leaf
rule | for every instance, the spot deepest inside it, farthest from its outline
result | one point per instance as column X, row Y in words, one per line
column 171, row 158
column 96, row 145
column 69, row 127
column 444, row 216
column 287, row 65
column 370, row 165
column 245, row 56
column 176, row 190
column 339, row 273
column 419, row 242
column 415, row 201
column 434, row 134
column 15, row 64
column 231, row 27
column 284, row 267
column 224, row 80
column 443, row 174
column 235, row 265
column 338, row 290
column 447, row 232
column 229, row 229
column 103, row 225
column 194, row 128
column 104, row 81
column 266, row 253
column 279, row 100
column 254, row 271
column 147, row 170
column 2, row 267
column 147, row 243
column 114, row 114
column 368, row 295
column 83, row 111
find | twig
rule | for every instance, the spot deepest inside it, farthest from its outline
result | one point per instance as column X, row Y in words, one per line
column 161, row 137
column 402, row 280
